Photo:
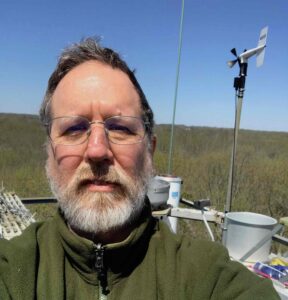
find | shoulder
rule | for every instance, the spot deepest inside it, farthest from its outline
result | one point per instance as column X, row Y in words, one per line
column 188, row 247
column 20, row 244
column 20, row 251
column 205, row 270
column 19, row 258
column 188, row 256
column 25, row 245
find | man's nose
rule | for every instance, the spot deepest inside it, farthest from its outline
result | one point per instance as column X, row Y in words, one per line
column 98, row 147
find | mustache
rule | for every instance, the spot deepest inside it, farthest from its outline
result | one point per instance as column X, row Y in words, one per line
column 99, row 172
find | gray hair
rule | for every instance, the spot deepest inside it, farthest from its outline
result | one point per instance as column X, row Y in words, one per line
column 87, row 50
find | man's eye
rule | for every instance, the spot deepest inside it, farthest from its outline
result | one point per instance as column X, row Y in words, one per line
column 120, row 129
column 75, row 129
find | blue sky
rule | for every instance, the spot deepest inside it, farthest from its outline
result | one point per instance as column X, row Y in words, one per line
column 33, row 32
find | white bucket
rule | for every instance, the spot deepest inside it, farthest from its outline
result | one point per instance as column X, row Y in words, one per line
column 244, row 231
column 158, row 193
column 174, row 195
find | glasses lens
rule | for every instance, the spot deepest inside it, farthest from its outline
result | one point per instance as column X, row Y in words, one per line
column 69, row 130
column 125, row 130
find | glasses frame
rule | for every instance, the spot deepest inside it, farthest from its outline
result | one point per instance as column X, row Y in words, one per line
column 48, row 126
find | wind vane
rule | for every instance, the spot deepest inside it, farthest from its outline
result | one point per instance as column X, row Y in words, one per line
column 259, row 51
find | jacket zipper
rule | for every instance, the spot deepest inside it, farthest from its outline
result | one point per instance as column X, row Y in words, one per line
column 100, row 269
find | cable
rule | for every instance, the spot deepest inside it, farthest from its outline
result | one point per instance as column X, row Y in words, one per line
column 207, row 226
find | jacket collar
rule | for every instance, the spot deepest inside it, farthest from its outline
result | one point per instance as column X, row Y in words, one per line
column 119, row 258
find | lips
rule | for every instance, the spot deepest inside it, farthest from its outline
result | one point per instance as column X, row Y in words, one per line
column 98, row 185
column 100, row 182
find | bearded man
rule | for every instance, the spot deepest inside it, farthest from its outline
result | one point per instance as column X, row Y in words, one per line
column 104, row 243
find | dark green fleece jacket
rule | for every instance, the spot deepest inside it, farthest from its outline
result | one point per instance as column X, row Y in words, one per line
column 48, row 261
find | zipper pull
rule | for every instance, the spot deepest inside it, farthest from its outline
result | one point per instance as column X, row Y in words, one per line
column 99, row 259
column 100, row 268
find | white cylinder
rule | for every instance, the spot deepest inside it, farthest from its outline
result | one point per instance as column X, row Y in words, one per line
column 174, row 196
column 244, row 231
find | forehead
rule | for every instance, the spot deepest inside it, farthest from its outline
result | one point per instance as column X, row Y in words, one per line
column 94, row 87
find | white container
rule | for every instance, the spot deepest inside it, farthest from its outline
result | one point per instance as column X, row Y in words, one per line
column 244, row 231
column 158, row 193
column 174, row 195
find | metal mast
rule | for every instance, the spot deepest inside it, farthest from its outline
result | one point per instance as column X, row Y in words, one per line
column 239, row 85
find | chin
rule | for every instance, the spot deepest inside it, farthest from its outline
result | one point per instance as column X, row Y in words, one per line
column 101, row 212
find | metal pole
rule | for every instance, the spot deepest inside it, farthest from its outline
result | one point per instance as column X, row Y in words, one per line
column 239, row 100
column 239, row 85
column 176, row 91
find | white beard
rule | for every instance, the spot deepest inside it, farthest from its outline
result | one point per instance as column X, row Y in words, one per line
column 100, row 212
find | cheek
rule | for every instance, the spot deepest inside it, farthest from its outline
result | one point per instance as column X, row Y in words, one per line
column 130, row 159
column 67, row 161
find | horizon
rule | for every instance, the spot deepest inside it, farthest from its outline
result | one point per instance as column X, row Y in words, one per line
column 166, row 124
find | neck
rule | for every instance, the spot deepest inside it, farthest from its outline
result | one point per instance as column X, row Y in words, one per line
column 109, row 237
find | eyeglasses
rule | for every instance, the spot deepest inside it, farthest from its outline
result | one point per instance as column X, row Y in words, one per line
column 75, row 130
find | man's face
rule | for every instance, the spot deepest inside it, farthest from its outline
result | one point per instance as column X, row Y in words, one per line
column 99, row 185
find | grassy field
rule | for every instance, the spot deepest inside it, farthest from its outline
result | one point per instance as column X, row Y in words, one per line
column 201, row 158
